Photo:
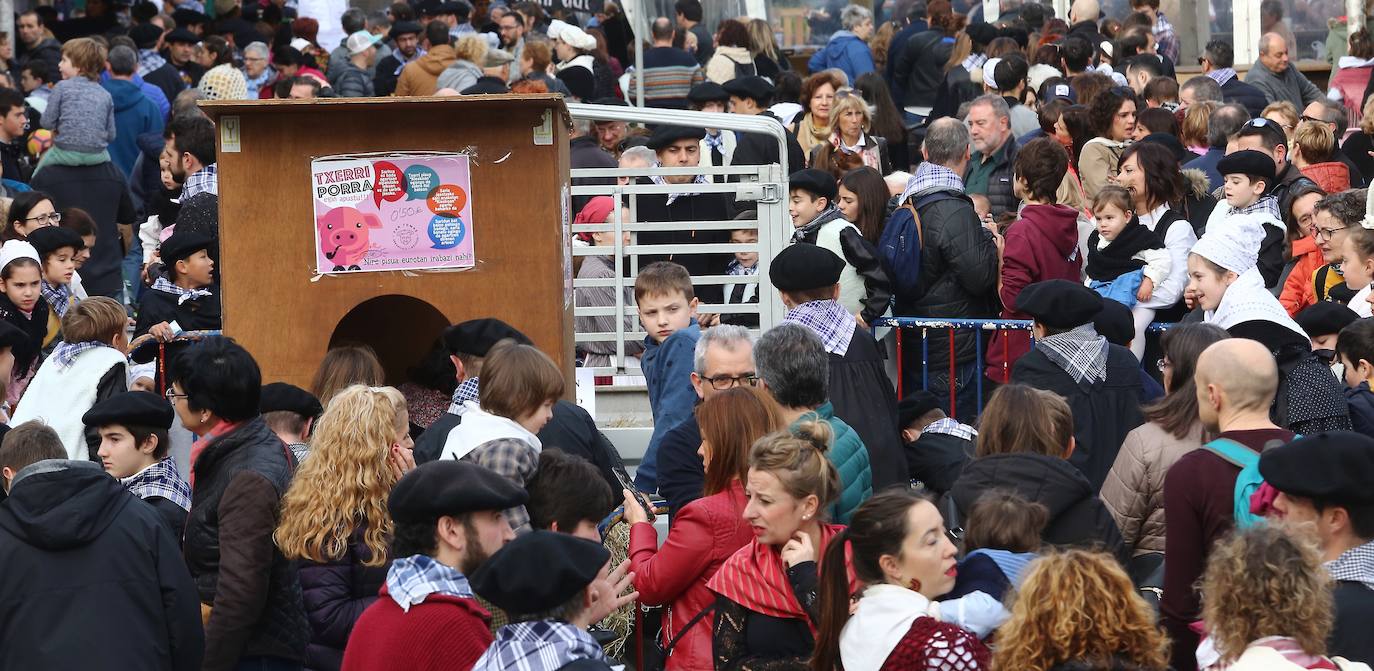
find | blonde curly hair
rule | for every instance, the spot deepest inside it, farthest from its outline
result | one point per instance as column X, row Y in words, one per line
column 1263, row 581
column 1078, row 605
column 342, row 487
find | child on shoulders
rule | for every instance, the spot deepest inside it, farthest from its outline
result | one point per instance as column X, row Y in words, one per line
column 80, row 111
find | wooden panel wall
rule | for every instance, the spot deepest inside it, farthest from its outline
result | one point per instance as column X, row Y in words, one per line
column 271, row 304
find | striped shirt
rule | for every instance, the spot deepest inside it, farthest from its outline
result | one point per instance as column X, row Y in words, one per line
column 669, row 74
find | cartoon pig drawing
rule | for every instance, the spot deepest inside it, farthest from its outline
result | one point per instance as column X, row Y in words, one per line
column 344, row 236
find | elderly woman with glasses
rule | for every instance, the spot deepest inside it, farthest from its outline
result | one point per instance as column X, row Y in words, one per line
column 850, row 146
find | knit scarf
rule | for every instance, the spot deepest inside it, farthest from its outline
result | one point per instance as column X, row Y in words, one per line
column 183, row 294
column 34, row 325
column 809, row 134
column 539, row 645
column 755, row 577
column 58, row 296
column 1117, row 258
column 411, row 580
column 161, row 480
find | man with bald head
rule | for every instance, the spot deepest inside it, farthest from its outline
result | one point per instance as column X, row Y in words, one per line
column 1277, row 77
column 1236, row 380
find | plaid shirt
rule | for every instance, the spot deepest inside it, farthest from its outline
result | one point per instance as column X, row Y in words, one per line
column 974, row 61
column 65, row 353
column 160, row 480
column 58, row 296
column 1266, row 205
column 541, row 645
column 167, row 286
column 1080, row 352
column 1354, row 565
column 1165, row 37
column 201, row 181
column 829, row 320
column 513, row 459
column 1222, row 75
column 300, row 451
column 411, row 580
column 951, row 427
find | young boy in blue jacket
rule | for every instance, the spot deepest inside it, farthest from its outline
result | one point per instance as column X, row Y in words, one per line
column 667, row 308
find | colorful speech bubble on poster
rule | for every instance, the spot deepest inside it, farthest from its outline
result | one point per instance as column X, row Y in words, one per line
column 447, row 199
column 420, row 180
column 446, row 231
column 389, row 183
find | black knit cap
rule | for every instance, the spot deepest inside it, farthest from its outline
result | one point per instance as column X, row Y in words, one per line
column 1059, row 304
column 539, row 571
column 447, row 487
column 804, row 266
column 131, row 408
column 476, row 337
column 1325, row 318
column 816, row 182
column 280, row 396
column 1331, row 467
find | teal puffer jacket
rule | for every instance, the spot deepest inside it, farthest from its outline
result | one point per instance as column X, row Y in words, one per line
column 850, row 458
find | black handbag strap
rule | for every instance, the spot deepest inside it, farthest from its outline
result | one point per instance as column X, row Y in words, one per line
column 690, row 623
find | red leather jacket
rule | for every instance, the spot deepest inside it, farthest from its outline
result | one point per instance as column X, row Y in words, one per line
column 705, row 533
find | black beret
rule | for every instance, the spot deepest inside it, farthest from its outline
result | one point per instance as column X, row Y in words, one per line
column 145, row 35
column 916, row 404
column 189, row 17
column 1115, row 323
column 181, row 245
column 1248, row 162
column 282, row 396
column 803, row 266
column 405, row 28
column 1059, row 304
column 450, row 487
column 818, row 182
column 539, row 571
column 981, row 33
column 454, row 7
column 49, row 239
column 1335, row 466
column 427, row 7
column 476, row 337
column 181, row 35
column 1325, row 318
column 666, row 135
column 131, row 408
column 486, row 85
column 753, row 87
column 706, row 92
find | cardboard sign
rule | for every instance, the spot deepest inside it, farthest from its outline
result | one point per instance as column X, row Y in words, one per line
column 393, row 212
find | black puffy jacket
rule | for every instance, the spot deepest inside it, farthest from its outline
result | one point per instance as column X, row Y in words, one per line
column 335, row 594
column 921, row 68
column 253, row 590
column 1077, row 517
column 958, row 274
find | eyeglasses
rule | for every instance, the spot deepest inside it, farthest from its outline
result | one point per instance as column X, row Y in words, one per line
column 53, row 217
column 172, row 395
column 1325, row 233
column 846, row 92
column 723, row 382
column 1314, row 119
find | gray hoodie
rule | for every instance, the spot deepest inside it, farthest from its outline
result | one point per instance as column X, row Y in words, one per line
column 460, row 75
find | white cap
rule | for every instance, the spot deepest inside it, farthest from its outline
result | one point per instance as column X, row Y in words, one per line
column 574, row 36
column 358, row 42
column 1233, row 245
column 17, row 249
column 300, row 44
column 988, row 68
column 1039, row 73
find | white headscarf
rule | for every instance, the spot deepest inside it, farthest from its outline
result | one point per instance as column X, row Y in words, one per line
column 17, row 249
column 1233, row 243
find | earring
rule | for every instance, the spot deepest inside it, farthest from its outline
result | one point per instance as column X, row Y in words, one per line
column 806, row 517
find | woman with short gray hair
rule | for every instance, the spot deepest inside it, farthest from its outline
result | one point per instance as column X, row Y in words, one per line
column 847, row 50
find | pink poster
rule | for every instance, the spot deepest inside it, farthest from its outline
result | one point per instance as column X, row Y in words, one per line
column 392, row 212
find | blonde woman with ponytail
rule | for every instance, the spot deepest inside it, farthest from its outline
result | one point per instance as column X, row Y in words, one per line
column 334, row 518
column 768, row 587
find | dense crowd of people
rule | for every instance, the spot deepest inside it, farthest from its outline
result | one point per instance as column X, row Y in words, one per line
column 1081, row 492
